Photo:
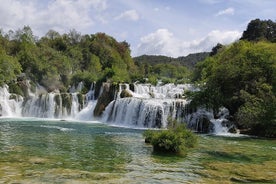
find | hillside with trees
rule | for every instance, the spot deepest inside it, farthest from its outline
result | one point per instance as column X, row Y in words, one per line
column 188, row 61
column 58, row 61
column 168, row 69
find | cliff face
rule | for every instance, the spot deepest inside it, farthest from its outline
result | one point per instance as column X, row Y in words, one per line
column 107, row 95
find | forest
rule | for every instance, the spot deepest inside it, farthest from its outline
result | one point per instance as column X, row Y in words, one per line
column 240, row 76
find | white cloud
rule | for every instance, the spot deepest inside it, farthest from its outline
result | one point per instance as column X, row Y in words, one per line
column 228, row 11
column 210, row 1
column 128, row 15
column 214, row 37
column 163, row 42
column 156, row 9
column 60, row 15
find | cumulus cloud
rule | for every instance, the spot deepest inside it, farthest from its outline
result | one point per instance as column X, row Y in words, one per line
column 128, row 15
column 163, row 42
column 59, row 15
column 228, row 11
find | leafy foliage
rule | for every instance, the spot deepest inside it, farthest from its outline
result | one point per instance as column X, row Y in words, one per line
column 260, row 30
column 241, row 77
column 169, row 70
column 57, row 61
column 9, row 67
column 177, row 139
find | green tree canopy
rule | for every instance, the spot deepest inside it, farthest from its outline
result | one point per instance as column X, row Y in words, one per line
column 242, row 78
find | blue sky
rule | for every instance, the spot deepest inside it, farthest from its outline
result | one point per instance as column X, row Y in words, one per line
column 160, row 27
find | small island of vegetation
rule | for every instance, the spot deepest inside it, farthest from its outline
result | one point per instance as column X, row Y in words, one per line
column 177, row 139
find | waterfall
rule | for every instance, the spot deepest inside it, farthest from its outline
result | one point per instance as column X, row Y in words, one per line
column 151, row 106
column 47, row 105
column 10, row 104
column 42, row 106
column 222, row 124
column 137, row 112
column 141, row 105
column 75, row 105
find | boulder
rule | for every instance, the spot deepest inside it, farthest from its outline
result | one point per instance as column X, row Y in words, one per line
column 108, row 95
column 125, row 93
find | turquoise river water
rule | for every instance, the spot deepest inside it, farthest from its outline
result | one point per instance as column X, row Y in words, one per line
column 52, row 151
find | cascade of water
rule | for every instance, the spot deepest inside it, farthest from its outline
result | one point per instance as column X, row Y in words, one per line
column 220, row 124
column 75, row 105
column 75, row 89
column 87, row 112
column 47, row 105
column 42, row 106
column 9, row 104
column 150, row 106
column 165, row 91
column 142, row 112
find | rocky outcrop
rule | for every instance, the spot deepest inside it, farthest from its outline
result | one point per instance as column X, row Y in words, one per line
column 107, row 95
column 125, row 93
column 201, row 124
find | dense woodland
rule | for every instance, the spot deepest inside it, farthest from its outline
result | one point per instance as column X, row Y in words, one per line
column 240, row 76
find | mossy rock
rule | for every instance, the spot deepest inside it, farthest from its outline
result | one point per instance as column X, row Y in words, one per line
column 131, row 87
column 81, row 100
column 66, row 101
column 125, row 94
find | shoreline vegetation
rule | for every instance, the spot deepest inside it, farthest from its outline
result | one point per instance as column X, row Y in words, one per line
column 240, row 76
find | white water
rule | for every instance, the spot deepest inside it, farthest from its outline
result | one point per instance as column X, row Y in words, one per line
column 137, row 112
column 47, row 105
column 165, row 91
column 9, row 107
column 150, row 107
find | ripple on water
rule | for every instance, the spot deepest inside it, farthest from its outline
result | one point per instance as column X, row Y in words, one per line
column 58, row 128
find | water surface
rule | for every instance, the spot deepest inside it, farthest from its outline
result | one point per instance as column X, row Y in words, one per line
column 41, row 151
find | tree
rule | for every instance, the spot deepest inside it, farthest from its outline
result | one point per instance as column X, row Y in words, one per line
column 258, row 30
column 242, row 78
column 216, row 49
column 9, row 67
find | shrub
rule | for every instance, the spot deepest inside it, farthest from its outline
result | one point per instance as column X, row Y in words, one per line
column 176, row 139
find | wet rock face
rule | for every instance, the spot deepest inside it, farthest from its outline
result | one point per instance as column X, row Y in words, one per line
column 125, row 94
column 108, row 94
column 202, row 125
column 230, row 125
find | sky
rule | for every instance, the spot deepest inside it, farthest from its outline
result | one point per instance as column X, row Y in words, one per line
column 155, row 27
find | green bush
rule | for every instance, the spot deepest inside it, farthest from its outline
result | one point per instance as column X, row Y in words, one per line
column 176, row 139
